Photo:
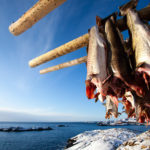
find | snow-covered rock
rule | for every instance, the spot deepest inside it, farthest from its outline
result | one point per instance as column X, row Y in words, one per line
column 101, row 139
column 140, row 142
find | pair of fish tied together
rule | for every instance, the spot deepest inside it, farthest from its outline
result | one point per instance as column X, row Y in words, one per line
column 118, row 71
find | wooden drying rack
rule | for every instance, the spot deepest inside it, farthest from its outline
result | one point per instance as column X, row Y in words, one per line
column 41, row 9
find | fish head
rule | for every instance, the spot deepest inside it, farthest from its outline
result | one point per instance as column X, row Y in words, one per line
column 90, row 89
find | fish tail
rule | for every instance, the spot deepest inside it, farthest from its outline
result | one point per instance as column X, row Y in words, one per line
column 98, row 21
column 130, row 5
column 113, row 15
column 99, row 24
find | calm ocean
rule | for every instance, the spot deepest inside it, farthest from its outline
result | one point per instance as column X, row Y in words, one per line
column 55, row 139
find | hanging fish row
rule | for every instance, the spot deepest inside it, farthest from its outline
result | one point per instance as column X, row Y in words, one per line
column 118, row 69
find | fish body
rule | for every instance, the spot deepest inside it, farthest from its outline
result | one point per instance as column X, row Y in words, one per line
column 140, row 35
column 142, row 113
column 140, row 38
column 111, row 108
column 136, row 106
column 140, row 44
column 97, row 70
column 119, row 61
column 97, row 55
column 129, row 51
column 129, row 104
column 142, row 108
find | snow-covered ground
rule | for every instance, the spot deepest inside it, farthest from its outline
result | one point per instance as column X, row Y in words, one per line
column 141, row 142
column 101, row 139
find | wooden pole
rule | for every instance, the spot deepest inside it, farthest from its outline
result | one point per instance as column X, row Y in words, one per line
column 34, row 14
column 64, row 65
column 60, row 51
column 81, row 42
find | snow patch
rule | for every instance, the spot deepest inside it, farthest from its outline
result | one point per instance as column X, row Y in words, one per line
column 101, row 139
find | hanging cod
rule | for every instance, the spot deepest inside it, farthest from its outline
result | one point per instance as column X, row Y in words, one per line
column 120, row 69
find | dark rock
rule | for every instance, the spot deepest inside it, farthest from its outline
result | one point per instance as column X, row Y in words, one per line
column 48, row 128
column 40, row 129
column 70, row 142
column 61, row 125
column 20, row 129
column 30, row 129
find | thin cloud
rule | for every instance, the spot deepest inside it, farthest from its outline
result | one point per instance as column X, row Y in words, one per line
column 35, row 115
column 33, row 44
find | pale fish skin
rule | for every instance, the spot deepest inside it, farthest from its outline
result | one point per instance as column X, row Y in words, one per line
column 111, row 108
column 101, row 98
column 130, row 98
column 140, row 38
column 120, row 62
column 97, row 58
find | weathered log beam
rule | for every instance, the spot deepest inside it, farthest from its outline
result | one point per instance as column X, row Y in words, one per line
column 60, row 51
column 80, row 42
column 64, row 65
column 34, row 14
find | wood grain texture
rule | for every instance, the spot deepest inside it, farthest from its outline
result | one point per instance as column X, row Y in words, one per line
column 34, row 14
column 64, row 65
column 60, row 51
column 81, row 41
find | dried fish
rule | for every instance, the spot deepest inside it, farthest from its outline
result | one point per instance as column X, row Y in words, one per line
column 129, row 104
column 142, row 111
column 120, row 69
column 140, row 34
column 97, row 71
column 111, row 108
column 119, row 61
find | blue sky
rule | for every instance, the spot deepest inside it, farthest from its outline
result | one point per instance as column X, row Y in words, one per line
column 25, row 95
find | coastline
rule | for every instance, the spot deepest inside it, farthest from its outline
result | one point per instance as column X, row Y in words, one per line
column 56, row 138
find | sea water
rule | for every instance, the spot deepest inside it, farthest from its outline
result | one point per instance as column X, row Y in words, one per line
column 55, row 139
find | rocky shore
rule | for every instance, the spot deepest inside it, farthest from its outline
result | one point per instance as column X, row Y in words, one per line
column 21, row 129
column 109, row 139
